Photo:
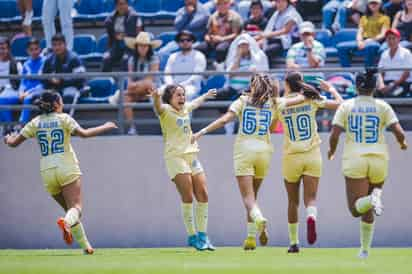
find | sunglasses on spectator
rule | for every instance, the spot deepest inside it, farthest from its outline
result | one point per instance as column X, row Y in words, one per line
column 185, row 40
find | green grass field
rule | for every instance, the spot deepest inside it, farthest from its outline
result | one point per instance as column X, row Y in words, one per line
column 224, row 260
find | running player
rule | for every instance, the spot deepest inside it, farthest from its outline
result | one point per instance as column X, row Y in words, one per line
column 59, row 166
column 302, row 159
column 183, row 167
column 365, row 157
column 253, row 149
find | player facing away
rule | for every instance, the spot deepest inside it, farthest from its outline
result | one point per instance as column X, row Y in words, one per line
column 182, row 164
column 301, row 159
column 365, row 156
column 59, row 167
column 252, row 149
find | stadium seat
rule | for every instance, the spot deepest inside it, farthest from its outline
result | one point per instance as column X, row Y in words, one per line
column 85, row 46
column 9, row 12
column 344, row 35
column 102, row 44
column 215, row 81
column 324, row 36
column 90, row 11
column 18, row 48
column 166, row 37
column 172, row 6
column 100, row 89
column 147, row 8
column 37, row 10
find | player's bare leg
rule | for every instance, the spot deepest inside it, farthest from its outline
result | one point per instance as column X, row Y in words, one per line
column 293, row 204
column 310, row 189
column 264, row 236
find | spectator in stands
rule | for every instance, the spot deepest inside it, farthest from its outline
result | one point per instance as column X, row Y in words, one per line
column 395, row 83
column 308, row 53
column 354, row 10
column 143, row 59
column 193, row 17
column 49, row 12
column 122, row 22
column 187, row 59
column 8, row 88
column 281, row 30
column 334, row 14
column 403, row 22
column 31, row 89
column 63, row 60
column 223, row 26
column 392, row 7
column 371, row 32
column 256, row 22
column 26, row 11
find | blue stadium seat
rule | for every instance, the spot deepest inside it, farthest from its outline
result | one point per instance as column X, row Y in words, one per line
column 324, row 36
column 90, row 10
column 18, row 48
column 102, row 44
column 100, row 89
column 85, row 46
column 215, row 81
column 147, row 8
column 9, row 12
column 172, row 6
column 37, row 10
column 109, row 6
column 344, row 35
column 166, row 37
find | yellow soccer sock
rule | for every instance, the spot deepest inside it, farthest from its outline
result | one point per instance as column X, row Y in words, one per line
column 202, row 216
column 187, row 209
column 72, row 216
column 80, row 236
column 251, row 230
column 363, row 204
column 366, row 235
column 293, row 233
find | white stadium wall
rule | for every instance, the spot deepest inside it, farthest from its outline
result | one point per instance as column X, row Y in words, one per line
column 129, row 201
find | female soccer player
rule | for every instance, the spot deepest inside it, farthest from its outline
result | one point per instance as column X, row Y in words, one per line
column 59, row 166
column 301, row 153
column 253, row 149
column 365, row 157
column 183, row 167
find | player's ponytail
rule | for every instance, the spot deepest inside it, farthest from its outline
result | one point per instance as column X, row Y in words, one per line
column 262, row 89
column 296, row 84
column 366, row 81
column 46, row 102
column 169, row 91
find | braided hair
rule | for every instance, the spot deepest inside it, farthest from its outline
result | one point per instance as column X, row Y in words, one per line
column 366, row 81
column 46, row 101
column 296, row 84
column 262, row 89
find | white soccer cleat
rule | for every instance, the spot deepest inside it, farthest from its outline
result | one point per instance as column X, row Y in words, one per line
column 376, row 201
column 363, row 254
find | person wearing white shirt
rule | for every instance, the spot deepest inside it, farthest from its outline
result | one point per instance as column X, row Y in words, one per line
column 187, row 59
column 395, row 83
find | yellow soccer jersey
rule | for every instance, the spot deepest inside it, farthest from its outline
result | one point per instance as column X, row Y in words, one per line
column 53, row 133
column 177, row 131
column 254, row 125
column 364, row 120
column 299, row 125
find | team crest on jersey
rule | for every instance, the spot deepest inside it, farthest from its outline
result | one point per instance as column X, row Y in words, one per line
column 180, row 122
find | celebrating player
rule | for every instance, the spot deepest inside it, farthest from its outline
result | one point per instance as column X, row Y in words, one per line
column 302, row 159
column 183, row 167
column 253, row 149
column 59, row 166
column 365, row 156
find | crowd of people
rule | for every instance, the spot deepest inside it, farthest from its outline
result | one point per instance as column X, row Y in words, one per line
column 239, row 36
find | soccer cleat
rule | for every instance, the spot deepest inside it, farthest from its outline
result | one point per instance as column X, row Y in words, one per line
column 293, row 249
column 204, row 241
column 67, row 234
column 376, row 201
column 193, row 241
column 311, row 230
column 264, row 237
column 249, row 243
column 363, row 254
column 88, row 251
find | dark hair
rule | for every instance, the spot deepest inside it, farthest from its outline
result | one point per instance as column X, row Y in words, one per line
column 296, row 84
column 256, row 3
column 369, row 12
column 6, row 41
column 262, row 89
column 169, row 91
column 46, row 101
column 366, row 81
column 116, row 1
column 33, row 41
column 136, row 56
column 58, row 37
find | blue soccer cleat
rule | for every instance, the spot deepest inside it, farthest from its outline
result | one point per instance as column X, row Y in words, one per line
column 194, row 241
column 205, row 242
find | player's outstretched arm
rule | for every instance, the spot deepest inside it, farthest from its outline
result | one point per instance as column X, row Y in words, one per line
column 94, row 131
column 397, row 130
column 333, row 141
column 211, row 93
column 331, row 104
column 157, row 101
column 14, row 140
column 220, row 122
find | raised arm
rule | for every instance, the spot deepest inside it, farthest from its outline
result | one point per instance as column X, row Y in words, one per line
column 219, row 123
column 397, row 130
column 331, row 104
column 157, row 101
column 211, row 93
column 333, row 141
column 94, row 131
column 14, row 140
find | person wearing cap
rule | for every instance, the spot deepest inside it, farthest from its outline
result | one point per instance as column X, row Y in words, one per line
column 122, row 22
column 371, row 33
column 308, row 53
column 222, row 28
column 395, row 83
column 256, row 22
column 143, row 59
column 184, row 60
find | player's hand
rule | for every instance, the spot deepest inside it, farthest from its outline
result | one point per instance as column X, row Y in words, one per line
column 110, row 125
column 211, row 93
column 154, row 92
column 404, row 146
column 196, row 136
column 326, row 86
column 331, row 155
